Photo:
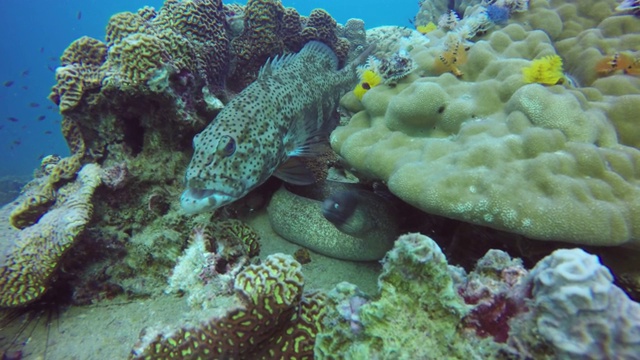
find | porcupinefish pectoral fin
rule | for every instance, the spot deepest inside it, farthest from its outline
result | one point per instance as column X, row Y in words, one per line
column 294, row 172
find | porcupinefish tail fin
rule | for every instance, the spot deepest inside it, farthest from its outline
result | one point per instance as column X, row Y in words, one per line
column 294, row 172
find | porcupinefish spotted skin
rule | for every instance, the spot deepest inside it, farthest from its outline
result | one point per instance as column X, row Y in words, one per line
column 280, row 115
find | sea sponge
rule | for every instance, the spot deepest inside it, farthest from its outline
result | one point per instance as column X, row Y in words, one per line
column 546, row 71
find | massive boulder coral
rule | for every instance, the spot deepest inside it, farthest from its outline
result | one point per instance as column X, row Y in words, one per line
column 487, row 148
column 268, row 317
column 31, row 255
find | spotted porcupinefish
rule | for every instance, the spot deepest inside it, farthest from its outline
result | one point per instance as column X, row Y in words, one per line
column 280, row 116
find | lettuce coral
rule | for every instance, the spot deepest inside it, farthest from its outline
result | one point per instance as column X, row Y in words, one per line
column 546, row 71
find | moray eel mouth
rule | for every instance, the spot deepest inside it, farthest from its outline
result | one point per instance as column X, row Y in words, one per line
column 195, row 201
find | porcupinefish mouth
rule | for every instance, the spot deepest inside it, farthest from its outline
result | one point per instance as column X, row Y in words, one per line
column 195, row 201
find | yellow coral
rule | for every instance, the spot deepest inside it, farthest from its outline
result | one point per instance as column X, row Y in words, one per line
column 368, row 80
column 546, row 71
column 425, row 29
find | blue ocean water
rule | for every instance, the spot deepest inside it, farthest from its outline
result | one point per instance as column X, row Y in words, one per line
column 34, row 34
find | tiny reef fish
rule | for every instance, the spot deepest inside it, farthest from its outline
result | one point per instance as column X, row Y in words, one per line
column 8, row 83
column 13, row 119
column 34, row 104
column 285, row 113
column 25, row 72
column 79, row 16
column 42, row 117
column 48, row 132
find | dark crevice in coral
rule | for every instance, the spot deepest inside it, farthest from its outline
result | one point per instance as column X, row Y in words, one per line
column 133, row 135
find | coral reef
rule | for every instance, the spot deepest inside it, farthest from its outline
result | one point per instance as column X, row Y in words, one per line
column 269, row 316
column 566, row 307
column 31, row 255
column 79, row 72
column 515, row 158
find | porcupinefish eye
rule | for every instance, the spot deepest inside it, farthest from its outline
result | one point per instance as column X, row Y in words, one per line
column 226, row 146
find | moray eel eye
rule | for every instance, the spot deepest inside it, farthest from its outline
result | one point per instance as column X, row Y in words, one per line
column 226, row 146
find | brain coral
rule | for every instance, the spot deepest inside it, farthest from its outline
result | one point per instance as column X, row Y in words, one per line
column 489, row 149
column 79, row 71
column 31, row 255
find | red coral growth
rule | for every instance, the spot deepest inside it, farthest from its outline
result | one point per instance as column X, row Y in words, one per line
column 496, row 302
